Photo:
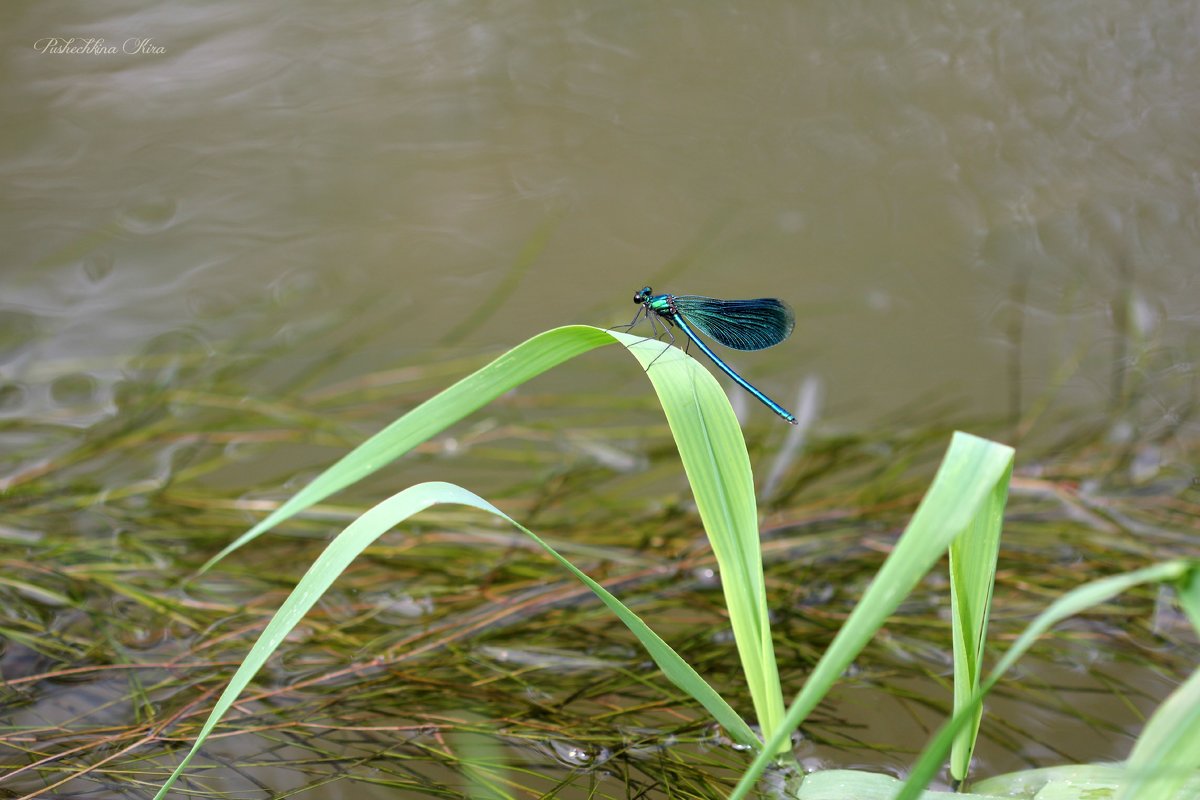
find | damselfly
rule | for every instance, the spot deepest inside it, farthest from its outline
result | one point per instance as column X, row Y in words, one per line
column 738, row 324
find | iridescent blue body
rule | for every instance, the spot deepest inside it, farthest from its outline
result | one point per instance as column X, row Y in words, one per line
column 739, row 324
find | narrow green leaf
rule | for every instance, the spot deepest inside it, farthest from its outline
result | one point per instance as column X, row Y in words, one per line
column 383, row 517
column 714, row 457
column 523, row 362
column 1189, row 597
column 972, row 576
column 1073, row 602
column 711, row 448
column 482, row 759
column 971, row 471
column 1167, row 754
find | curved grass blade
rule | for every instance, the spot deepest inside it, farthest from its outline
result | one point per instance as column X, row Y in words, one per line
column 1070, row 604
column 973, row 474
column 972, row 577
column 361, row 533
column 522, row 363
column 717, row 465
column 710, row 445
column 1167, row 754
column 739, row 324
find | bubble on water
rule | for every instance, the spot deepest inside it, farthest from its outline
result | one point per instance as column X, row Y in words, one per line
column 574, row 755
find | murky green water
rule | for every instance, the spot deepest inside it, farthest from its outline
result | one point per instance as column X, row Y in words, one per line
column 980, row 211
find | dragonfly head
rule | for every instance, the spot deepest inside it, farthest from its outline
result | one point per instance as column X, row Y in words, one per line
column 643, row 295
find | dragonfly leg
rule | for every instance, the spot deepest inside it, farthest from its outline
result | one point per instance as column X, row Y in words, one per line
column 632, row 322
column 670, row 344
column 655, row 321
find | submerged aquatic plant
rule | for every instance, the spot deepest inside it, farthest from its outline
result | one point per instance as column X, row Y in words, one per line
column 962, row 512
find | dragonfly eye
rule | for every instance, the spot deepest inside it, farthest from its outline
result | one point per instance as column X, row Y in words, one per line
column 643, row 295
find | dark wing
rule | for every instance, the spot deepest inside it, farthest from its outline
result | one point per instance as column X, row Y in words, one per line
column 739, row 324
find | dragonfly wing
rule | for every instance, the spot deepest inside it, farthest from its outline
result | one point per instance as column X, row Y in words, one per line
column 739, row 324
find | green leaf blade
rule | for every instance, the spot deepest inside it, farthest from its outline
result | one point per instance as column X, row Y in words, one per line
column 972, row 578
column 714, row 456
column 972, row 469
column 361, row 533
column 524, row 362
column 1073, row 602
column 710, row 444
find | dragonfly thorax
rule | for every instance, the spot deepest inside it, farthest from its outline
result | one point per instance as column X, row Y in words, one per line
column 661, row 304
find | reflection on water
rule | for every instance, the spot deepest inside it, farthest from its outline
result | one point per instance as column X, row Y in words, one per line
column 976, row 207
